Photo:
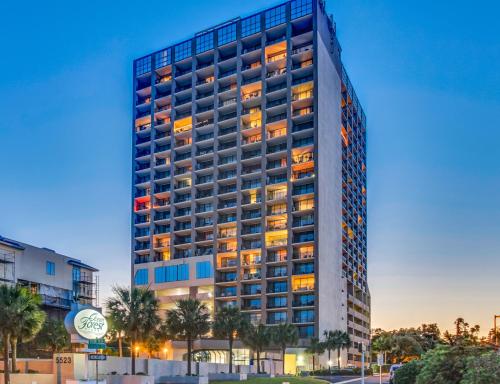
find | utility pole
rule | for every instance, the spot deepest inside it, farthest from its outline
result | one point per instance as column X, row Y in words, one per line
column 495, row 317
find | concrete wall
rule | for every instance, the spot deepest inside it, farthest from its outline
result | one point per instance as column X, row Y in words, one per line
column 21, row 378
column 159, row 368
column 332, row 309
column 39, row 365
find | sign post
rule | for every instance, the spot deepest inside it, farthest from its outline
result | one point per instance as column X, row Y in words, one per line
column 88, row 326
column 380, row 362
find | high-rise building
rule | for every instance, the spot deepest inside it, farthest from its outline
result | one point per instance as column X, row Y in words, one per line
column 249, row 174
column 61, row 281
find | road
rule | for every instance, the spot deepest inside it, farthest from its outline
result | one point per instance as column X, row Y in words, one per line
column 354, row 380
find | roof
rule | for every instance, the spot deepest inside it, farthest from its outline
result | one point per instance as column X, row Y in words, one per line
column 10, row 243
column 78, row 263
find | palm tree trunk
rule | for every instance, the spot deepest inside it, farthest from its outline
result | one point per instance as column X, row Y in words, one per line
column 230, row 355
column 120, row 347
column 13, row 348
column 283, row 350
column 258, row 362
column 133, row 356
column 338, row 357
column 329, row 365
column 6, row 373
column 313, row 364
column 189, row 348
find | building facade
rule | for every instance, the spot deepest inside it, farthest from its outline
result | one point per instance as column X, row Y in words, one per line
column 249, row 174
column 59, row 280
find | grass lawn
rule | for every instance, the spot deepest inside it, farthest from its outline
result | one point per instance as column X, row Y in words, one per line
column 275, row 380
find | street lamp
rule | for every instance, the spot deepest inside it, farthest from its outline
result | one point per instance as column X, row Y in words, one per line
column 137, row 351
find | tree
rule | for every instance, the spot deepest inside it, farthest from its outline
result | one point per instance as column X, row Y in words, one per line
column 229, row 323
column 138, row 309
column 446, row 364
column 483, row 369
column 408, row 373
column 29, row 321
column 464, row 334
column 316, row 347
column 257, row 338
column 188, row 321
column 53, row 336
column 284, row 335
column 329, row 344
column 405, row 348
column 20, row 317
column 341, row 340
column 382, row 343
column 116, row 328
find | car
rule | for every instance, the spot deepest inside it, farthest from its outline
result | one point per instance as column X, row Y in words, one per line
column 392, row 371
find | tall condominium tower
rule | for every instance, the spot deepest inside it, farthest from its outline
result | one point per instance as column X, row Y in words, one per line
column 249, row 174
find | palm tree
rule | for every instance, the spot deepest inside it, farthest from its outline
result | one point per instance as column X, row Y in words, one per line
column 116, row 328
column 138, row 308
column 316, row 347
column 188, row 321
column 229, row 323
column 329, row 345
column 29, row 321
column 53, row 336
column 20, row 317
column 285, row 335
column 341, row 341
column 257, row 338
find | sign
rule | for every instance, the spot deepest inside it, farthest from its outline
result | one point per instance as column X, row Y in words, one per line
column 96, row 344
column 380, row 359
column 90, row 324
column 97, row 357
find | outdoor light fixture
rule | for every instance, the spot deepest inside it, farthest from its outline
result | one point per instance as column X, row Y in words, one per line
column 330, row 363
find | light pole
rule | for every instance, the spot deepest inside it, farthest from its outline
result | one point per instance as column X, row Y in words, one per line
column 495, row 317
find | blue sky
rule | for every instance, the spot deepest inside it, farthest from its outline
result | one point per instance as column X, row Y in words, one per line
column 426, row 72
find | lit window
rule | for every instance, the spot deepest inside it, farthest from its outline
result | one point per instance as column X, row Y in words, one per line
column 226, row 34
column 182, row 50
column 50, row 268
column 163, row 58
column 203, row 270
column 301, row 8
column 141, row 277
column 143, row 66
column 250, row 25
column 204, row 42
column 275, row 16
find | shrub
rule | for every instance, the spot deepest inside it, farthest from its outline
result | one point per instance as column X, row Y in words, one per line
column 483, row 369
column 408, row 373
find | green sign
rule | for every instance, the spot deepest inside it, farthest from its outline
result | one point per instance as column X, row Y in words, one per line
column 97, row 344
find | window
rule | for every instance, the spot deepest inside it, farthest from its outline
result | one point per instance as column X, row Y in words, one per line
column 50, row 268
column 183, row 272
column 172, row 273
column 203, row 270
column 204, row 42
column 250, row 25
column 182, row 50
column 141, row 277
column 306, row 332
column 163, row 58
column 143, row 66
column 226, row 34
column 76, row 274
column 301, row 8
column 275, row 16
